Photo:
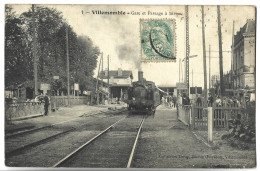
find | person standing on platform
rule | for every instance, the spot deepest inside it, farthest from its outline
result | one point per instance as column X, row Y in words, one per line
column 174, row 101
column 46, row 104
column 198, row 101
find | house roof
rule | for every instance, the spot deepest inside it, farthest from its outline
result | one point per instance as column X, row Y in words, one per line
column 114, row 73
column 247, row 29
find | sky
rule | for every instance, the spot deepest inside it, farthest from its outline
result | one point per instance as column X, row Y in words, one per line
column 119, row 37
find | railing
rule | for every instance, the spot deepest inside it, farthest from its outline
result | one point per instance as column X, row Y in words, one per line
column 196, row 116
column 199, row 117
column 221, row 115
column 58, row 101
column 21, row 109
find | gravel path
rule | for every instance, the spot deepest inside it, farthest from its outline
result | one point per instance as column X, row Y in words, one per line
column 166, row 142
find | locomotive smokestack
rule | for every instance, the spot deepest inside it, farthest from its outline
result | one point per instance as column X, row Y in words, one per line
column 140, row 76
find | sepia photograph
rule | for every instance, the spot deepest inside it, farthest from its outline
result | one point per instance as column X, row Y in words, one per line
column 129, row 86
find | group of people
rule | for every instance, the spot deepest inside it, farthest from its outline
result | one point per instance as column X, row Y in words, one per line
column 173, row 101
column 170, row 101
column 225, row 101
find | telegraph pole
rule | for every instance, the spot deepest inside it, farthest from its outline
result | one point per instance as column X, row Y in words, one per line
column 204, row 57
column 192, row 77
column 179, row 70
column 187, row 49
column 102, row 67
column 68, row 65
column 232, row 56
column 102, row 85
column 108, row 77
column 209, row 68
column 97, row 93
column 34, row 50
column 220, row 52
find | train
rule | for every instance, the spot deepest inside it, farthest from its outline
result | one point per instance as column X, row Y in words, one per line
column 143, row 96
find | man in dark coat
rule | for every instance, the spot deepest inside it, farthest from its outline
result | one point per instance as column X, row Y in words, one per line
column 210, row 99
column 199, row 101
column 174, row 100
column 46, row 104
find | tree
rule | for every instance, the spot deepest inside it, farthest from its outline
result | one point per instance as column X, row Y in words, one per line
column 48, row 23
column 83, row 62
column 51, row 50
column 18, row 60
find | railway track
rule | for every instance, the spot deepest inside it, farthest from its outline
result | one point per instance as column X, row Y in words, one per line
column 52, row 134
column 55, row 124
column 115, row 148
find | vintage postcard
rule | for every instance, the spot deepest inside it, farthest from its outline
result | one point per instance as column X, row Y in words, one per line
column 129, row 86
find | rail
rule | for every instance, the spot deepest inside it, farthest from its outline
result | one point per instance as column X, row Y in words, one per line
column 59, row 163
column 54, row 124
column 134, row 147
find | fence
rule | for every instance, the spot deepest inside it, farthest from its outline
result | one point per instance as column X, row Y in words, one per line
column 197, row 116
column 221, row 115
column 22, row 109
column 58, row 101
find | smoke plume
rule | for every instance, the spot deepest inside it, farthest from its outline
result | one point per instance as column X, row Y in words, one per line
column 129, row 53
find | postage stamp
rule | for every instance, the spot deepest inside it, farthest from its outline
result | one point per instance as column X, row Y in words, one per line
column 157, row 40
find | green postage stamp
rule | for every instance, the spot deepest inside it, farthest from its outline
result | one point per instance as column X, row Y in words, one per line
column 157, row 40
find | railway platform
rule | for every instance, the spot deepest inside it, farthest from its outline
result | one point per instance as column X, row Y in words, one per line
column 64, row 113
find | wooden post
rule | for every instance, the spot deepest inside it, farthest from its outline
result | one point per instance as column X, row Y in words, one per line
column 187, row 77
column 193, row 115
column 220, row 52
column 204, row 58
column 179, row 70
column 97, row 88
column 210, row 124
column 108, row 75
column 209, row 69
column 68, row 65
column 190, row 117
column 35, row 57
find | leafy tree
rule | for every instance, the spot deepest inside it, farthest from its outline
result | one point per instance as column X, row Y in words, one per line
column 51, row 50
column 48, row 22
column 84, row 63
column 18, row 61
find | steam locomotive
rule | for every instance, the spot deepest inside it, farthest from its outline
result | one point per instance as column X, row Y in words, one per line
column 143, row 96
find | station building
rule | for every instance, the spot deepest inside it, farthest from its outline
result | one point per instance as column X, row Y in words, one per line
column 119, row 81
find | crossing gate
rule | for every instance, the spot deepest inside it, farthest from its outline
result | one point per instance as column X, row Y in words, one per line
column 221, row 115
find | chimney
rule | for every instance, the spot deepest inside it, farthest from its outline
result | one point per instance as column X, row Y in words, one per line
column 140, row 76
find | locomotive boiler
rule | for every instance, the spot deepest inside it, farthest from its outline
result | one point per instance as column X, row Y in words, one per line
column 143, row 96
